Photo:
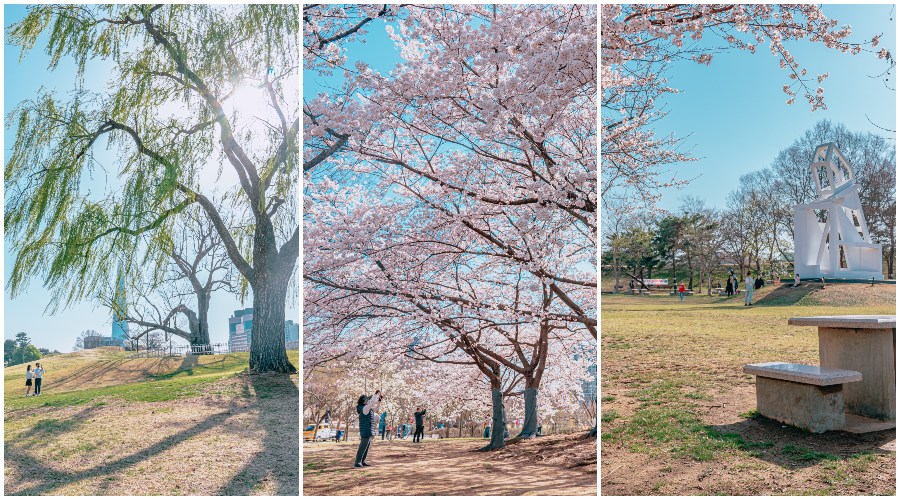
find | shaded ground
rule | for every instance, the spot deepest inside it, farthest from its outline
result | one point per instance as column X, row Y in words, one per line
column 678, row 415
column 550, row 465
column 213, row 434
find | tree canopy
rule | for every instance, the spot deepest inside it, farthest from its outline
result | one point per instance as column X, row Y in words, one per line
column 195, row 88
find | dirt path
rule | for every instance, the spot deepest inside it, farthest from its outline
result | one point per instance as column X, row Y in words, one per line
column 550, row 465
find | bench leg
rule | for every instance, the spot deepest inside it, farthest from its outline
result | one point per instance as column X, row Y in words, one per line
column 816, row 408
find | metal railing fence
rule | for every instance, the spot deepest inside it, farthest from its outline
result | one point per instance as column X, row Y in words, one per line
column 202, row 349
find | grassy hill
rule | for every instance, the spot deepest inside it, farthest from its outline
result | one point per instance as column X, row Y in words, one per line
column 83, row 376
column 106, row 425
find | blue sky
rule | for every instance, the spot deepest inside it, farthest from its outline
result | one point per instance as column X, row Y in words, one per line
column 378, row 52
column 26, row 313
column 735, row 107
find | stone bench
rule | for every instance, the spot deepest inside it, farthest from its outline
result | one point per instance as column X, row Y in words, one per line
column 686, row 292
column 804, row 396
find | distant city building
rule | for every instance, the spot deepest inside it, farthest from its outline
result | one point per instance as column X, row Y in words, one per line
column 291, row 331
column 589, row 385
column 240, row 327
column 95, row 342
column 240, row 330
column 119, row 325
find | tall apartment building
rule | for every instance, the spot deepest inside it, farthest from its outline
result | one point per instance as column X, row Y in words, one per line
column 240, row 330
column 240, row 327
column 291, row 331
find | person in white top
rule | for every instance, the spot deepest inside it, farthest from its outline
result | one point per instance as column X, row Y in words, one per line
column 38, row 377
column 748, row 285
column 796, row 281
column 28, row 376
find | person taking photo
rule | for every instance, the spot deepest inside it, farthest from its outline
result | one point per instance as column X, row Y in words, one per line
column 420, row 425
column 366, row 408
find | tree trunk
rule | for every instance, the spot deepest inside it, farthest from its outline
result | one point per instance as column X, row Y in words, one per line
column 267, row 347
column 347, row 432
column 203, row 317
column 529, row 427
column 616, row 267
column 498, row 440
column 690, row 272
column 673, row 268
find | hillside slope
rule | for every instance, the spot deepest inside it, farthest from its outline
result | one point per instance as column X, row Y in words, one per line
column 105, row 425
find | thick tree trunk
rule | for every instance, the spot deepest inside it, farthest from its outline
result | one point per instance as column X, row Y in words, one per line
column 529, row 427
column 498, row 439
column 267, row 348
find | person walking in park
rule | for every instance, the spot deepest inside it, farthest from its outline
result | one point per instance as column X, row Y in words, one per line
column 729, row 289
column 748, row 285
column 38, row 377
column 28, row 376
column 366, row 409
column 681, row 291
column 420, row 425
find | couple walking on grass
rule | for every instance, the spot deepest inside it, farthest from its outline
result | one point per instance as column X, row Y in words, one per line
column 37, row 375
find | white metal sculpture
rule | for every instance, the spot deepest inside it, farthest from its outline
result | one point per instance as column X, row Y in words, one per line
column 841, row 246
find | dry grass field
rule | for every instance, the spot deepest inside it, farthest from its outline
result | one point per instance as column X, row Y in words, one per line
column 105, row 425
column 678, row 415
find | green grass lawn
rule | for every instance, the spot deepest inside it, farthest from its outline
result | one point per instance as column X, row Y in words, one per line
column 186, row 379
column 672, row 388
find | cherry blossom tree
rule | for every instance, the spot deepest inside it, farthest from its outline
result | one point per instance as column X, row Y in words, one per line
column 465, row 207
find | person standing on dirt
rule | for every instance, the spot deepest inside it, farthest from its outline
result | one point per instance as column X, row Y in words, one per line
column 38, row 377
column 748, row 285
column 28, row 376
column 367, row 426
column 420, row 425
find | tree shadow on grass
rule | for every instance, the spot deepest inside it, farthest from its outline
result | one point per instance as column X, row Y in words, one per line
column 787, row 296
column 48, row 428
column 188, row 363
column 280, row 457
column 49, row 477
column 86, row 372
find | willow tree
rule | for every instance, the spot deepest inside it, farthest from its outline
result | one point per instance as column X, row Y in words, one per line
column 180, row 96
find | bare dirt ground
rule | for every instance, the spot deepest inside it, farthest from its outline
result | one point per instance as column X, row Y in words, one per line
column 237, row 436
column 678, row 415
column 549, row 465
